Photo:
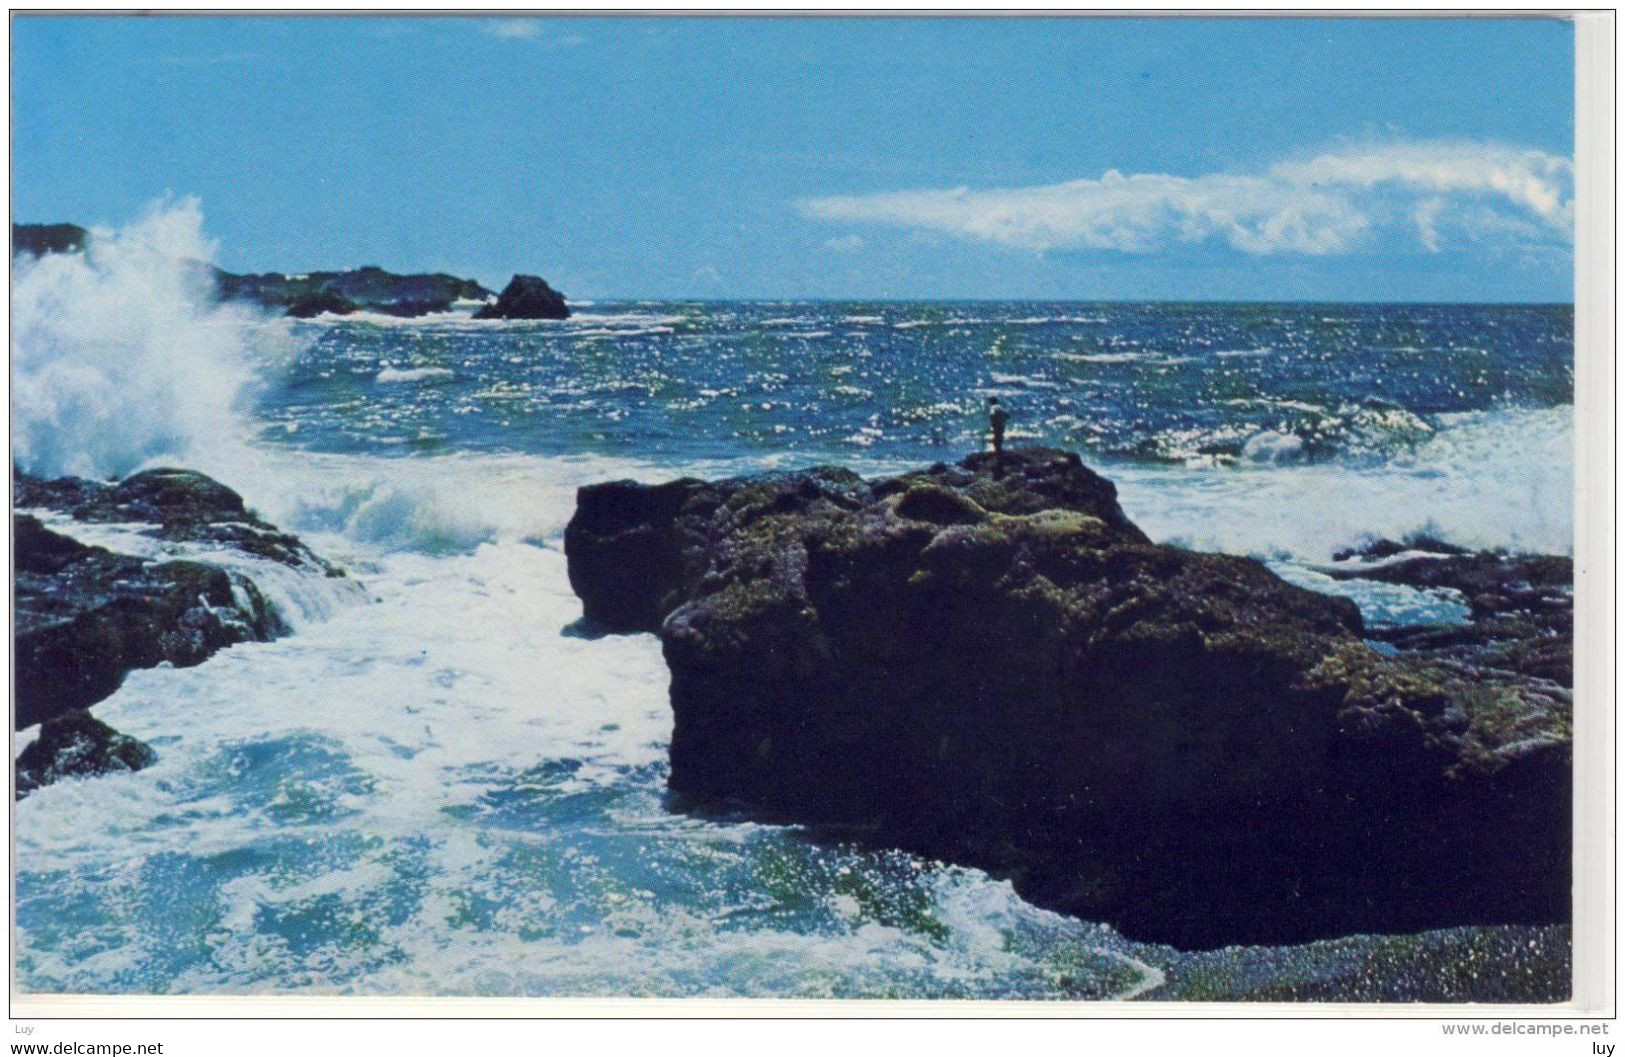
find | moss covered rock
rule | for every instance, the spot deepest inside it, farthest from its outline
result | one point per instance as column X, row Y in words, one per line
column 1001, row 669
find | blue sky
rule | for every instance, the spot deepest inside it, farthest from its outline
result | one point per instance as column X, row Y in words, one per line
column 886, row 158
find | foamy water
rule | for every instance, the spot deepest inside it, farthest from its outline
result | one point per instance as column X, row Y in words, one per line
column 446, row 790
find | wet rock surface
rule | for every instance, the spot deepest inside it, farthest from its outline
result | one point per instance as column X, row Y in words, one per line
column 78, row 745
column 180, row 506
column 1521, row 605
column 85, row 616
column 991, row 664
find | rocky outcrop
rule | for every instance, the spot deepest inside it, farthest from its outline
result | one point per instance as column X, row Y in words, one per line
column 369, row 289
column 77, row 745
column 1521, row 606
column 1000, row 669
column 178, row 506
column 526, row 297
column 36, row 240
column 321, row 303
column 86, row 616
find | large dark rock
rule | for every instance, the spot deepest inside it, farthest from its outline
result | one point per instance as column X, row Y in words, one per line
column 78, row 745
column 86, row 616
column 526, row 297
column 1000, row 669
column 36, row 240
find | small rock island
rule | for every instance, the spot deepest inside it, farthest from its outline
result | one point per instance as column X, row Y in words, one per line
column 527, row 297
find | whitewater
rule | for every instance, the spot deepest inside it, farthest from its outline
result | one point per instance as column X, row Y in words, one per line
column 443, row 783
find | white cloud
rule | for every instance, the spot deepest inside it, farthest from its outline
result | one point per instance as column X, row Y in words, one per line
column 532, row 29
column 1333, row 203
column 1538, row 182
column 513, row 28
column 1426, row 215
column 844, row 244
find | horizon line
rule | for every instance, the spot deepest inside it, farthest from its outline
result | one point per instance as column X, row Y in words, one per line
column 1060, row 301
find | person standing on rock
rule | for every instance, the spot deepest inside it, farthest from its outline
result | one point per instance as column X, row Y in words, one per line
column 997, row 416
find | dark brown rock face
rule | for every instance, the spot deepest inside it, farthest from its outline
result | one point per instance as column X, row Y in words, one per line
column 85, row 616
column 526, row 297
column 1000, row 669
column 78, row 745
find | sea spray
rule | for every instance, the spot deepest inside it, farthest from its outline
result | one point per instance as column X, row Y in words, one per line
column 121, row 358
column 1484, row 479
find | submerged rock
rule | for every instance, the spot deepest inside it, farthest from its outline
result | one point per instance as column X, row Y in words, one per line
column 78, row 745
column 85, row 616
column 1000, row 669
column 526, row 297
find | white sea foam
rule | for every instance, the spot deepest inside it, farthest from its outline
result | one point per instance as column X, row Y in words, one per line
column 636, row 320
column 1025, row 381
column 385, row 319
column 446, row 792
column 1044, row 321
column 1484, row 479
column 1271, row 447
column 120, row 357
column 1100, row 357
column 619, row 332
column 411, row 374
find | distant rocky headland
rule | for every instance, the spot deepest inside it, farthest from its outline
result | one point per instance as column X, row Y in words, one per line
column 366, row 289
column 991, row 664
column 36, row 240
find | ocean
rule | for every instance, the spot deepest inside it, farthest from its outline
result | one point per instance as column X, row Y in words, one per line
column 440, row 784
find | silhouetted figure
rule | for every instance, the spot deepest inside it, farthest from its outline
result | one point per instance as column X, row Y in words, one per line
column 997, row 416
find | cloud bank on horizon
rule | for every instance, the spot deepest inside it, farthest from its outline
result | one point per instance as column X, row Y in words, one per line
column 1444, row 195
